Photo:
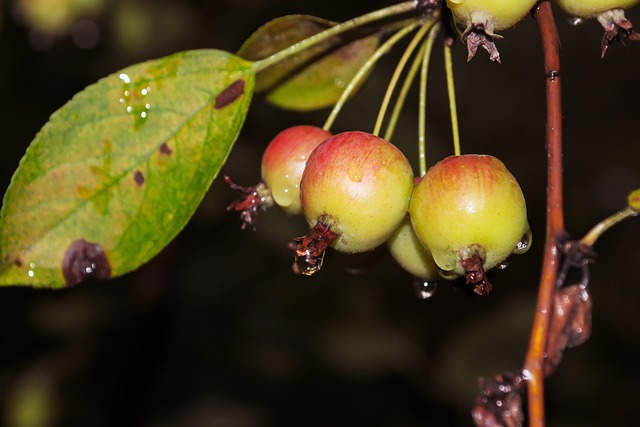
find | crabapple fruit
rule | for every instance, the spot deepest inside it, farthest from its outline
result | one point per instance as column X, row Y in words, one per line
column 469, row 211
column 493, row 14
column 480, row 18
column 359, row 186
column 592, row 8
column 411, row 254
column 284, row 161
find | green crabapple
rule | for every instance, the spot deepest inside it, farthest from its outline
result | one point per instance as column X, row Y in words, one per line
column 355, row 191
column 469, row 211
column 411, row 254
column 481, row 18
column 592, row 8
column 610, row 15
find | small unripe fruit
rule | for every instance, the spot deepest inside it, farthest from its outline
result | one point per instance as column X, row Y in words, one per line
column 469, row 206
column 591, row 8
column 284, row 160
column 480, row 18
column 408, row 251
column 359, row 185
column 496, row 14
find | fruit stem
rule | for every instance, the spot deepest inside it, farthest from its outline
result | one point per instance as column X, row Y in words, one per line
column 397, row 72
column 535, row 357
column 451, row 90
column 386, row 12
column 597, row 231
column 411, row 74
column 422, row 107
column 362, row 72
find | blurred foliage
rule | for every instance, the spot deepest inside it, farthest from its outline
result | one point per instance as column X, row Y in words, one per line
column 217, row 330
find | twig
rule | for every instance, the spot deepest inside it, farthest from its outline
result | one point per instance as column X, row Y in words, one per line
column 534, row 362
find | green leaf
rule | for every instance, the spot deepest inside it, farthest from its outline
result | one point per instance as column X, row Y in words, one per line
column 315, row 77
column 118, row 171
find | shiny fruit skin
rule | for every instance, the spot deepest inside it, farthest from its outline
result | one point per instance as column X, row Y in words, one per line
column 592, row 8
column 466, row 202
column 284, row 160
column 360, row 185
column 504, row 13
column 408, row 251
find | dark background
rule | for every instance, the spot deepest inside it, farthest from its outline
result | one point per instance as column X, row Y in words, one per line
column 218, row 331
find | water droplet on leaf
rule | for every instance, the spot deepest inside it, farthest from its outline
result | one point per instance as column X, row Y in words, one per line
column 134, row 99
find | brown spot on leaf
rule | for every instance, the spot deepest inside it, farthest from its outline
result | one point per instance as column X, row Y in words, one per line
column 138, row 178
column 18, row 262
column 84, row 260
column 165, row 149
column 230, row 94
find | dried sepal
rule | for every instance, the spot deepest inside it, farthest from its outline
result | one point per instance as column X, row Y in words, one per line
column 310, row 249
column 475, row 37
column 250, row 200
column 616, row 28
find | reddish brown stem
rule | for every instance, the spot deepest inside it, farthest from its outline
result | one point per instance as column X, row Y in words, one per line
column 534, row 361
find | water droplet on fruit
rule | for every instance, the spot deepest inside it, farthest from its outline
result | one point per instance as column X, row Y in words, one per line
column 502, row 265
column 283, row 196
column 424, row 289
column 309, row 265
column 575, row 21
column 524, row 244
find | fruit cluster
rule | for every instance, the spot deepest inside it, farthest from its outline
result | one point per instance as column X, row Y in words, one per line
column 358, row 191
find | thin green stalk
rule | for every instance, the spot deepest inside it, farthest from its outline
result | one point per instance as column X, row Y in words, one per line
column 335, row 30
column 448, row 65
column 362, row 72
column 597, row 231
column 402, row 96
column 398, row 72
column 422, row 114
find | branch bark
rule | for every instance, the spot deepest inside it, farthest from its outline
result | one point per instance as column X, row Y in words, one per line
column 534, row 362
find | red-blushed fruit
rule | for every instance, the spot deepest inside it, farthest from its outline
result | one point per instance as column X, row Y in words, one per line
column 356, row 186
column 284, row 160
column 469, row 211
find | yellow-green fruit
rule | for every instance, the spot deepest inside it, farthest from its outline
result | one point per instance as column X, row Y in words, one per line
column 466, row 204
column 494, row 14
column 407, row 250
column 592, row 8
column 360, row 186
